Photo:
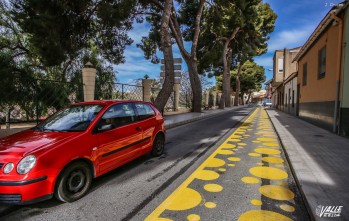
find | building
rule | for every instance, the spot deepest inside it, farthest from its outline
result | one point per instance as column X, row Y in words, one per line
column 323, row 73
column 283, row 68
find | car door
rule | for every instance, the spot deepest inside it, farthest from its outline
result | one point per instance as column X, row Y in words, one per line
column 119, row 136
column 147, row 120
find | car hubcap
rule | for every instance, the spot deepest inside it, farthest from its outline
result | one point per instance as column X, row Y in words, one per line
column 76, row 181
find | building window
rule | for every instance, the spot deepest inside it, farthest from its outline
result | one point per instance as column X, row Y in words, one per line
column 280, row 65
column 322, row 63
column 292, row 98
column 305, row 74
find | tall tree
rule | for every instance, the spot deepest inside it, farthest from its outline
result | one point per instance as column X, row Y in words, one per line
column 241, row 27
column 185, row 24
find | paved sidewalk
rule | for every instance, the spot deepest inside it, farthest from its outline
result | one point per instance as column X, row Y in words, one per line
column 320, row 162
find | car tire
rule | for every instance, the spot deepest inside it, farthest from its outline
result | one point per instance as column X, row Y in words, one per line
column 74, row 182
column 158, row 145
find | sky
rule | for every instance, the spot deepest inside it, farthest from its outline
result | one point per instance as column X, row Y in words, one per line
column 295, row 23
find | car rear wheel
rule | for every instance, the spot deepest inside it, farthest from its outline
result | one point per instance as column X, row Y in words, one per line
column 158, row 145
column 74, row 182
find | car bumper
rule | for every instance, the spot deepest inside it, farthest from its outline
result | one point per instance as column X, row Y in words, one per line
column 25, row 191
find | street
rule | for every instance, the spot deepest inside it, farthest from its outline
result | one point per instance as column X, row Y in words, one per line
column 212, row 169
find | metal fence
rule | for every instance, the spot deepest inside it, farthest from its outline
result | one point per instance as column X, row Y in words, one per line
column 127, row 92
column 24, row 102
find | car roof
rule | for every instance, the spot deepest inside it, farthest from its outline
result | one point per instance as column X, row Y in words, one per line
column 109, row 102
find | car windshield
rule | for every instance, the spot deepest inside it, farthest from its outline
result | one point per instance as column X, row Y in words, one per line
column 73, row 118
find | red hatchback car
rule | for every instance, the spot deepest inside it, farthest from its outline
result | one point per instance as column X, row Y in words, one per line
column 60, row 156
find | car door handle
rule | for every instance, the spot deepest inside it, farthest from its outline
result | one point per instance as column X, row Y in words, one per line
column 138, row 128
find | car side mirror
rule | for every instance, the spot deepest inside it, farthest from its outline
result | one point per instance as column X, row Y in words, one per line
column 105, row 127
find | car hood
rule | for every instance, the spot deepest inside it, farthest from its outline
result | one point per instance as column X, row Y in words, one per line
column 30, row 140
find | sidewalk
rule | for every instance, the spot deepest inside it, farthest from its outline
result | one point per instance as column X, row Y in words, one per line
column 320, row 162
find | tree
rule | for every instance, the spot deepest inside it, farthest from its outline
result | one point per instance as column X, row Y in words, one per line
column 241, row 28
column 251, row 78
column 185, row 25
column 59, row 30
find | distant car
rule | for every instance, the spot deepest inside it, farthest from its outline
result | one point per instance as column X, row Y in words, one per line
column 60, row 156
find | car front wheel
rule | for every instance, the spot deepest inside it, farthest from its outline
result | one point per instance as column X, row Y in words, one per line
column 74, row 182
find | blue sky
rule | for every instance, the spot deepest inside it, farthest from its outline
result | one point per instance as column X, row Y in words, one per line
column 296, row 21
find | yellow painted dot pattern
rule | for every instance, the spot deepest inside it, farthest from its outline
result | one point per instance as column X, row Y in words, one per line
column 262, row 146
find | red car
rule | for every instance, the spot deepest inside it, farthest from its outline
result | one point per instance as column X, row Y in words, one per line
column 60, row 156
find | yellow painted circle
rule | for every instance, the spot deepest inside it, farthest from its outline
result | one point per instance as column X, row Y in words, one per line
column 256, row 141
column 287, row 208
column 183, row 200
column 215, row 162
column 267, row 151
column 234, row 159
column 210, row 205
column 213, row 188
column 242, row 144
column 250, row 180
column 267, row 139
column 276, row 192
column 230, row 145
column 256, row 202
column 231, row 165
column 271, row 144
column 235, row 140
column 272, row 159
column 268, row 173
column 222, row 169
column 206, row 175
column 225, row 152
column 235, row 136
column 262, row 215
column 193, row 217
column 260, row 164
column 254, row 154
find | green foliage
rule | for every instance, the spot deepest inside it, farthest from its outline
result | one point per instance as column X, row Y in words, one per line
column 255, row 21
column 59, row 30
column 251, row 78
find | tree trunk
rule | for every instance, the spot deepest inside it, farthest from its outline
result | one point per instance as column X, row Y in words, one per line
column 225, row 99
column 237, row 92
column 249, row 96
column 166, row 45
column 195, row 85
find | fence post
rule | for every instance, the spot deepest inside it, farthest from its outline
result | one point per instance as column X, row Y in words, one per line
column 146, row 83
column 122, row 91
column 89, row 80
column 214, row 98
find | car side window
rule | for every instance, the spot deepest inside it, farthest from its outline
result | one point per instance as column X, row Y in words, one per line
column 119, row 115
column 144, row 111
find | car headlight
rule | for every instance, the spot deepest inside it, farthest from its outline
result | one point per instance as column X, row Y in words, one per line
column 8, row 168
column 26, row 164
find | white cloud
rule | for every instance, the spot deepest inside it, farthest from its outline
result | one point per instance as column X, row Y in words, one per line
column 290, row 38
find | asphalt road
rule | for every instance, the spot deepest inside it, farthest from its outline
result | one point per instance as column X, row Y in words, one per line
column 135, row 191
